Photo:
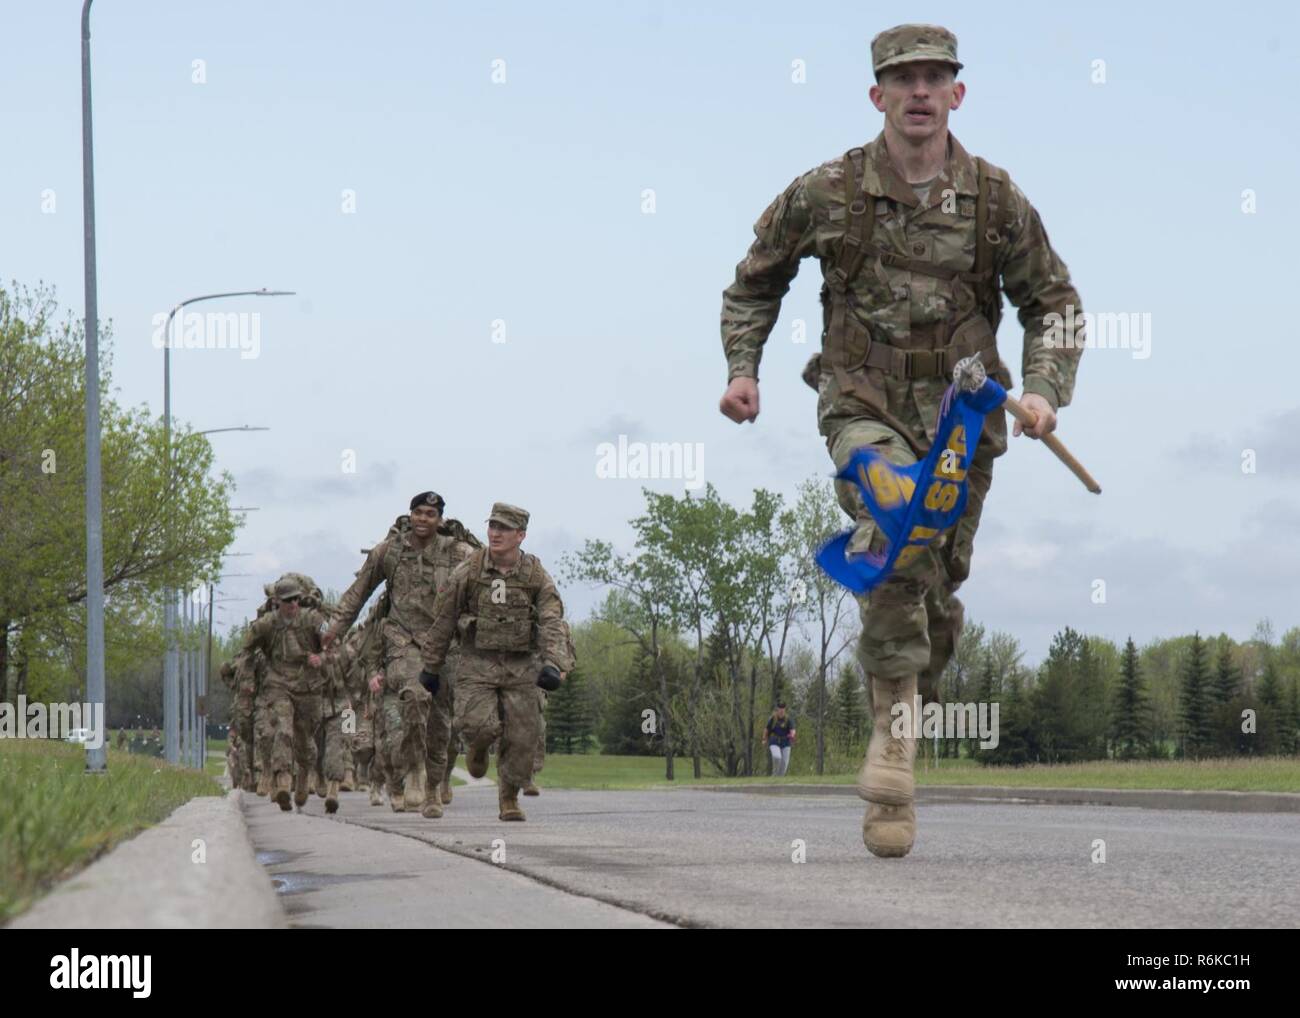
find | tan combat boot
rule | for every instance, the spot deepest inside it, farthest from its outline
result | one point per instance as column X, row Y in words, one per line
column 264, row 784
column 432, row 808
column 531, row 788
column 302, row 789
column 508, row 799
column 318, row 784
column 349, row 781
column 413, row 789
column 446, row 792
column 395, row 797
column 476, row 760
column 888, row 831
column 283, row 786
column 332, row 797
column 376, row 799
column 886, row 775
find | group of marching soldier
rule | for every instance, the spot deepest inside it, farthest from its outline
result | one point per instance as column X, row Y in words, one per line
column 460, row 647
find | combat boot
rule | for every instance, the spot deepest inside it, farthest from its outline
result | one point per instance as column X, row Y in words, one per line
column 301, row 790
column 886, row 775
column 376, row 799
column 283, row 785
column 476, row 760
column 250, row 784
column 446, row 792
column 395, row 799
column 318, row 784
column 508, row 799
column 348, row 782
column 332, row 797
column 264, row 784
column 432, row 808
column 531, row 788
column 888, row 831
column 413, row 788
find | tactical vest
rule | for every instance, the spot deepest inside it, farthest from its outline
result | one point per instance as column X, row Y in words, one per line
column 501, row 611
column 439, row 556
column 848, row 348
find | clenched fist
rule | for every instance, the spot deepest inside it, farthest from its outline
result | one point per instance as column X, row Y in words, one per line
column 740, row 401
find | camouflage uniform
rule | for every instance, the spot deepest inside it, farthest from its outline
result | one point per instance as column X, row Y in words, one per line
column 289, row 701
column 510, row 624
column 539, row 757
column 909, row 288
column 412, row 574
column 336, row 709
column 241, row 680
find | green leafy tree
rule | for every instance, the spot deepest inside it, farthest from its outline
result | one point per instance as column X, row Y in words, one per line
column 158, row 529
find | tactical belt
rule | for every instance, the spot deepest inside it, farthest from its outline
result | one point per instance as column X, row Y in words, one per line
column 902, row 363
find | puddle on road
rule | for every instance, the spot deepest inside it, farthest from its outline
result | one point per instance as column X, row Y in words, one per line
column 276, row 857
column 302, row 882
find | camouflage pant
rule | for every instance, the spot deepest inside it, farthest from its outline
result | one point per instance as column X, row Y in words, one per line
column 438, row 731
column 496, row 699
column 453, row 740
column 331, row 758
column 363, row 742
column 241, row 726
column 379, row 769
column 912, row 621
column 539, row 757
column 288, row 723
column 406, row 714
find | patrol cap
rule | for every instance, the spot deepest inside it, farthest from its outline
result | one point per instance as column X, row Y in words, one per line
column 287, row 587
column 509, row 516
column 905, row 44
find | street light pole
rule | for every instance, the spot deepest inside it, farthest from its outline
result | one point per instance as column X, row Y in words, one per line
column 171, row 741
column 97, row 758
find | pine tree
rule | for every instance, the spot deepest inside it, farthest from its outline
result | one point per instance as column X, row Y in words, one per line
column 1194, row 708
column 1271, row 722
column 1131, row 723
column 1227, row 679
column 569, row 722
column 849, row 708
column 1290, row 742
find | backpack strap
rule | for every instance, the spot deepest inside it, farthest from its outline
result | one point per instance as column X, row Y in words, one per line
column 992, row 228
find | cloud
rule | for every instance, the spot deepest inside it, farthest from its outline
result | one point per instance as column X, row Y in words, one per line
column 1275, row 442
column 274, row 487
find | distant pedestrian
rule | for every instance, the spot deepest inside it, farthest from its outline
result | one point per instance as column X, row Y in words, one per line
column 780, row 738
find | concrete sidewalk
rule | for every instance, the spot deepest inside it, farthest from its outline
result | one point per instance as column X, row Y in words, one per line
column 194, row 870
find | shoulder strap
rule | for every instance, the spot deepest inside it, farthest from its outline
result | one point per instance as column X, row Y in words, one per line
column 991, row 228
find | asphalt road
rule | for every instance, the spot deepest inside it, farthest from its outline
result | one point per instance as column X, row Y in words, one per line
column 698, row 858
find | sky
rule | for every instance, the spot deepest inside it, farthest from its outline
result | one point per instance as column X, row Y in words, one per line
column 508, row 227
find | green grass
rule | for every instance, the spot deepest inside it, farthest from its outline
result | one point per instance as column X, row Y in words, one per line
column 55, row 819
column 1270, row 774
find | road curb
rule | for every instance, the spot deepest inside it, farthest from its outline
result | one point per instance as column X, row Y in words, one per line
column 1144, row 798
column 157, row 881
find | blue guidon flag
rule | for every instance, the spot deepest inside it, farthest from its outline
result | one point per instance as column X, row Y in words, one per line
column 913, row 505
